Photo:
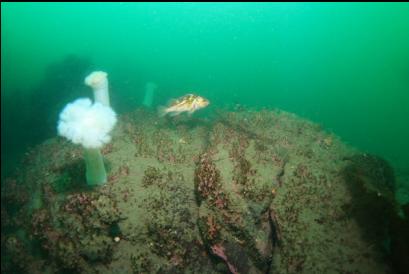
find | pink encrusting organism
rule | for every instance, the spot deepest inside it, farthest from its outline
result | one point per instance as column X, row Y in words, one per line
column 220, row 252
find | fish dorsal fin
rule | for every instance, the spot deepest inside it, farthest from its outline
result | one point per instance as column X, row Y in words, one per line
column 190, row 97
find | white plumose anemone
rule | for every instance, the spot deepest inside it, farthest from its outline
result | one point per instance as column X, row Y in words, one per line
column 98, row 81
column 89, row 125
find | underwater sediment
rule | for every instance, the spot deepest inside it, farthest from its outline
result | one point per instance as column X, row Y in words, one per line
column 247, row 192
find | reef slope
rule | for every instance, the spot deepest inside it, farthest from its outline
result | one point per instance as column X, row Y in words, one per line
column 247, row 192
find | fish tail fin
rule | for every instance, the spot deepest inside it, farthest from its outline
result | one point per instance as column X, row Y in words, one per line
column 162, row 111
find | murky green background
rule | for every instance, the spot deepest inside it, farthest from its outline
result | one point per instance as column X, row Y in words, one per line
column 343, row 65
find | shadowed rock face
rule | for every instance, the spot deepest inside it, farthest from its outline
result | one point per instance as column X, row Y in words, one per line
column 371, row 182
column 372, row 170
column 246, row 192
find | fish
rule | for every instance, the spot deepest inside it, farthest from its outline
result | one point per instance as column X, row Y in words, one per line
column 188, row 103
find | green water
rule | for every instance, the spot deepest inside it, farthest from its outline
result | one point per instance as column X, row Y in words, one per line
column 345, row 66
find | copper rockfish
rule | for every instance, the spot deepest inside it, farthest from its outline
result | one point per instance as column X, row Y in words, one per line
column 188, row 103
